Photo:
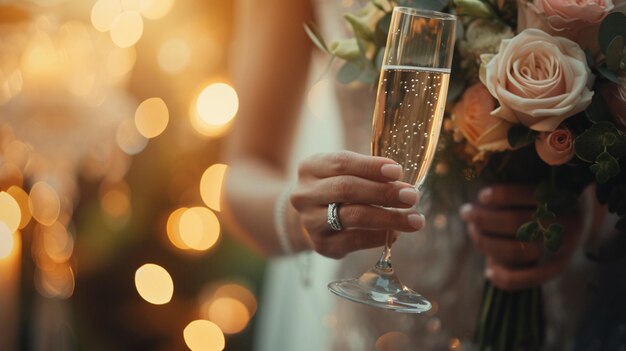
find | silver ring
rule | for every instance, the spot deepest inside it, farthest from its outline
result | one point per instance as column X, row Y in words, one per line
column 333, row 217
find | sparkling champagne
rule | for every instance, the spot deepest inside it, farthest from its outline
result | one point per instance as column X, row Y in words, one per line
column 407, row 117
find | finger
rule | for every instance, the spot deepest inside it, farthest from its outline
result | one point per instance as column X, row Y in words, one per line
column 354, row 216
column 495, row 221
column 510, row 252
column 509, row 195
column 351, row 163
column 353, row 189
column 507, row 278
column 342, row 243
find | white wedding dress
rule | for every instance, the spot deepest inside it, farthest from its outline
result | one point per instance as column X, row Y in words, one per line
column 438, row 262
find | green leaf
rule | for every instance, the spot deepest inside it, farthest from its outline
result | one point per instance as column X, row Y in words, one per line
column 519, row 135
column 602, row 135
column 369, row 74
column 556, row 197
column 608, row 74
column 316, row 37
column 434, row 5
column 543, row 212
column 591, row 61
column 605, row 168
column 349, row 72
column 614, row 24
column 475, row 8
column 552, row 238
column 598, row 111
column 361, row 30
column 527, row 231
column 614, row 53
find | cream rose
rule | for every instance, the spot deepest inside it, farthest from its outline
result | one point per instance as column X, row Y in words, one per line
column 555, row 148
column 472, row 118
column 539, row 80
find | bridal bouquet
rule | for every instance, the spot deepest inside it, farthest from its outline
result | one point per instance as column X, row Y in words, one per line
column 537, row 95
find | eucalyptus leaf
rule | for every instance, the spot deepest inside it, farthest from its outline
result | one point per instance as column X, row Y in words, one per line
column 434, row 5
column 349, row 72
column 556, row 197
column 475, row 8
column 527, row 231
column 360, row 28
column 316, row 37
column 597, row 111
column 552, row 238
column 369, row 74
column 543, row 212
column 591, row 143
column 614, row 53
column 520, row 135
column 608, row 74
column 614, row 24
column 605, row 168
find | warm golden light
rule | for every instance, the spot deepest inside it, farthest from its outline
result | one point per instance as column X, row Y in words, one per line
column 10, row 213
column 151, row 117
column 21, row 197
column 202, row 335
column 57, row 242
column 119, row 62
column 173, row 228
column 154, row 284
column 56, row 281
column 199, row 228
column 214, row 108
column 129, row 139
column 44, row 203
column 174, row 55
column 393, row 341
column 240, row 293
column 127, row 29
column 10, row 175
column 211, row 185
column 229, row 314
column 115, row 200
column 6, row 241
column 104, row 12
column 317, row 96
column 10, row 85
column 131, row 5
column 155, row 9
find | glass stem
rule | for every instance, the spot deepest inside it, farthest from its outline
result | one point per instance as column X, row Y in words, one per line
column 384, row 262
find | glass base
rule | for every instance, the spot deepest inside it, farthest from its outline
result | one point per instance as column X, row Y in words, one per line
column 381, row 288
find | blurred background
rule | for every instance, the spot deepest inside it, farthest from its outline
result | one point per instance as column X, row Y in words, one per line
column 112, row 116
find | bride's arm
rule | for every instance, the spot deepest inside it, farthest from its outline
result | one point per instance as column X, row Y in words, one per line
column 272, row 57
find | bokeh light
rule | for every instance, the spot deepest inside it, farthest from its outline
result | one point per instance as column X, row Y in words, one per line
column 154, row 284
column 129, row 139
column 10, row 213
column 393, row 341
column 214, row 108
column 115, row 199
column 151, row 117
column 55, row 281
column 203, row 335
column 173, row 228
column 240, row 293
column 21, row 197
column 104, row 12
column 211, row 185
column 44, row 203
column 230, row 314
column 127, row 29
column 7, row 241
column 155, row 9
column 58, row 243
column 199, row 228
column 174, row 55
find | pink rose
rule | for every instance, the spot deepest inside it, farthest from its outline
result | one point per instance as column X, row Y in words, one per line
column 472, row 118
column 539, row 80
column 555, row 148
column 615, row 98
column 577, row 20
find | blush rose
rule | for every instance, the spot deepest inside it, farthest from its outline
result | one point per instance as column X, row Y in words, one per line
column 539, row 80
column 555, row 148
column 471, row 116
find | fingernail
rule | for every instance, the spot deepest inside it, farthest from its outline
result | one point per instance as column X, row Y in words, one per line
column 392, row 171
column 464, row 211
column 416, row 220
column 485, row 195
column 408, row 195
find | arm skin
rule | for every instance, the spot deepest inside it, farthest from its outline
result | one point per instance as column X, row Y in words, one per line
column 271, row 73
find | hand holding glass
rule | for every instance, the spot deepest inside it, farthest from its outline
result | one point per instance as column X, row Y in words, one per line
column 410, row 104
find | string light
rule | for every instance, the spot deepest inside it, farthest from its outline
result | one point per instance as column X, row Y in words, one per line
column 203, row 335
column 211, row 185
column 154, row 284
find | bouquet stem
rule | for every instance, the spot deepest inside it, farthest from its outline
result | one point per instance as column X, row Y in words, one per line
column 510, row 320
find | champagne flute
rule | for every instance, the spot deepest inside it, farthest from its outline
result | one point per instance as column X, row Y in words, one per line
column 410, row 104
